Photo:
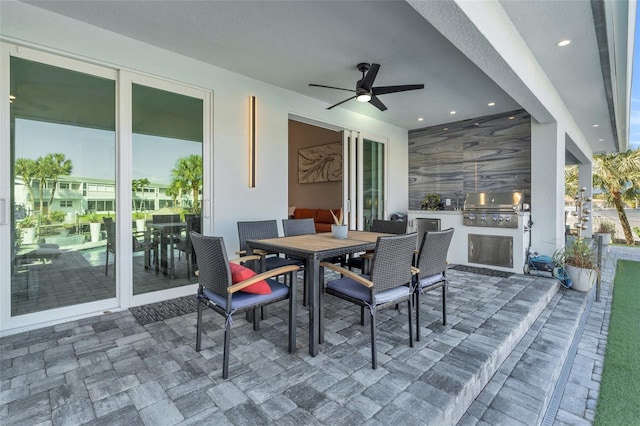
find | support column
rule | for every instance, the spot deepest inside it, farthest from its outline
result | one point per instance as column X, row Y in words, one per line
column 585, row 180
column 547, row 187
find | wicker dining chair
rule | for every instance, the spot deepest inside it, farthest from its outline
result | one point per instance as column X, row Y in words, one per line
column 389, row 283
column 260, row 230
column 378, row 225
column 432, row 265
column 216, row 291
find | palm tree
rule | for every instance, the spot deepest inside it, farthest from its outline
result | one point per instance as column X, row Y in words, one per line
column 618, row 176
column 187, row 174
column 174, row 192
column 139, row 185
column 26, row 168
column 44, row 169
column 60, row 166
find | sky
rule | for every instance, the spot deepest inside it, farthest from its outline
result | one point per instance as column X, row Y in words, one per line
column 92, row 151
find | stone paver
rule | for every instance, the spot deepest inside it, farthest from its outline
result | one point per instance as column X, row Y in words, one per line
column 479, row 369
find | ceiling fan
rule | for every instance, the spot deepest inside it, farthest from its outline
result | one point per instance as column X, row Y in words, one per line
column 365, row 92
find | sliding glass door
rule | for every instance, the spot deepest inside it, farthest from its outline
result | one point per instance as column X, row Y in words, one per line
column 63, row 166
column 105, row 173
column 365, row 179
column 167, row 142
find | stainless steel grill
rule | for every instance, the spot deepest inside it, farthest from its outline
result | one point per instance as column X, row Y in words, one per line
column 492, row 209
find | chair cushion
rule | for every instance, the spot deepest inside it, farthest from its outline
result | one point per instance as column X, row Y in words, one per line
column 240, row 273
column 273, row 262
column 241, row 300
column 431, row 280
column 352, row 288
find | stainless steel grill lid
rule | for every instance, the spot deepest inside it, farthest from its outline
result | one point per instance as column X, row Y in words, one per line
column 494, row 201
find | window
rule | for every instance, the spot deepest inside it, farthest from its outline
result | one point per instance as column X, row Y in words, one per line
column 66, row 203
column 64, row 185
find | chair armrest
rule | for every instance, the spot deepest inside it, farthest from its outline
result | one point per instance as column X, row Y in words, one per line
column 245, row 259
column 268, row 274
column 256, row 251
column 347, row 273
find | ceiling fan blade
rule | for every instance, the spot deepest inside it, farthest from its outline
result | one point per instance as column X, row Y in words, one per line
column 331, row 87
column 377, row 103
column 340, row 103
column 367, row 82
column 383, row 90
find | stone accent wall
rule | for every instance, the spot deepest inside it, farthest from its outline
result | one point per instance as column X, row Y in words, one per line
column 491, row 153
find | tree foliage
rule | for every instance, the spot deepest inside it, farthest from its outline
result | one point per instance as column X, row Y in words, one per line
column 618, row 177
column 49, row 167
column 187, row 177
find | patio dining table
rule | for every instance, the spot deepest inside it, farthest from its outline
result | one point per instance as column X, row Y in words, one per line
column 315, row 248
column 164, row 236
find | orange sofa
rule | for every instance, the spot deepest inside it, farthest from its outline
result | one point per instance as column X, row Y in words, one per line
column 322, row 218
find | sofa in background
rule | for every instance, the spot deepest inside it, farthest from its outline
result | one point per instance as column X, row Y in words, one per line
column 322, row 218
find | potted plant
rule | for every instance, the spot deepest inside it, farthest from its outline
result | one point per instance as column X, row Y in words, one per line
column 580, row 263
column 339, row 229
column 607, row 229
column 94, row 227
column 28, row 229
column 431, row 202
column 139, row 217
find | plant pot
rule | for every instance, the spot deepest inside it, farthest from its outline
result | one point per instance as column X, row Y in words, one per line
column 582, row 279
column 340, row 232
column 95, row 231
column 28, row 235
column 606, row 238
column 140, row 225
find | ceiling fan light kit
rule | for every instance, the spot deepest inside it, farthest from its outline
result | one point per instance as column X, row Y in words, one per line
column 365, row 92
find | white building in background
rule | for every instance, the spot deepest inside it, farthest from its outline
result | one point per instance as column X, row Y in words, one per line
column 77, row 196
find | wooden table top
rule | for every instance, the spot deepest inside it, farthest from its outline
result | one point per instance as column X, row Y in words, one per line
column 324, row 241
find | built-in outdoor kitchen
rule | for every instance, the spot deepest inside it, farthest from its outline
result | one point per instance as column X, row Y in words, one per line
column 475, row 176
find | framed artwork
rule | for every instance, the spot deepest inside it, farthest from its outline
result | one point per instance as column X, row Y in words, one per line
column 322, row 163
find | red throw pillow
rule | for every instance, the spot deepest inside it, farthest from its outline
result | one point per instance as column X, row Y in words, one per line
column 240, row 273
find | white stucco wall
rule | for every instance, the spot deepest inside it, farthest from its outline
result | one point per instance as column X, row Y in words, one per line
column 232, row 199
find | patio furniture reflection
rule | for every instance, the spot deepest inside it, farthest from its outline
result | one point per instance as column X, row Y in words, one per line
column 136, row 246
column 185, row 246
column 165, row 233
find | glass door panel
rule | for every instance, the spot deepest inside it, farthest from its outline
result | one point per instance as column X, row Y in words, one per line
column 167, row 179
column 63, row 172
column 373, row 179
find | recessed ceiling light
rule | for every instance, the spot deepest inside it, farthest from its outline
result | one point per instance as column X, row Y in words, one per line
column 420, row 119
column 476, row 124
column 446, row 128
column 452, row 112
column 511, row 118
column 491, row 104
column 596, row 125
column 600, row 140
column 563, row 43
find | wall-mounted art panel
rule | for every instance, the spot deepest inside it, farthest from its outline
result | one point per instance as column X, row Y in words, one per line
column 321, row 163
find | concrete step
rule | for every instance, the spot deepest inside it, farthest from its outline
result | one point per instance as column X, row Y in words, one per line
column 494, row 331
column 521, row 389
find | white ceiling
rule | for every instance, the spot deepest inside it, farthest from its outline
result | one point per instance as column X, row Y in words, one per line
column 293, row 43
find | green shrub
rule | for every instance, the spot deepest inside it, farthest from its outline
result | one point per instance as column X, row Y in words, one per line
column 57, row 216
